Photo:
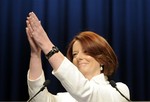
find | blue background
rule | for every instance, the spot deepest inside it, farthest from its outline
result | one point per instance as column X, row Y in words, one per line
column 124, row 23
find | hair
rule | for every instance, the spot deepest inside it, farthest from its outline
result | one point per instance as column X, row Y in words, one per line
column 97, row 47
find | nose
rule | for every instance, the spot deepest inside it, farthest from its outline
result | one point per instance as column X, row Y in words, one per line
column 80, row 56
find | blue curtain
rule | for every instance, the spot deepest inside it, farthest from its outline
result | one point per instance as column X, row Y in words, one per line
column 124, row 23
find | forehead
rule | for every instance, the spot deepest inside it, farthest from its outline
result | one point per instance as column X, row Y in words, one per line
column 77, row 45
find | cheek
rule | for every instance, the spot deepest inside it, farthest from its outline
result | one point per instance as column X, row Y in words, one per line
column 93, row 62
column 89, row 58
column 74, row 61
column 96, row 65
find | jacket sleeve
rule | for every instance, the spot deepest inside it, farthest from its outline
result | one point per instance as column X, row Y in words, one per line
column 123, row 89
column 73, row 81
column 84, row 90
column 44, row 96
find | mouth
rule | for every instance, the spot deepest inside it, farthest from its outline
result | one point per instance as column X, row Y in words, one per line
column 82, row 65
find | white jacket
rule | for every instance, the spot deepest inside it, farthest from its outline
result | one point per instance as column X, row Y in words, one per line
column 79, row 89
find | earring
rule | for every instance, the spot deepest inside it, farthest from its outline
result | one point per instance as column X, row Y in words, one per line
column 101, row 68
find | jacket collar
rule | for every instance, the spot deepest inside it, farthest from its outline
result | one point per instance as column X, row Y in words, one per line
column 100, row 79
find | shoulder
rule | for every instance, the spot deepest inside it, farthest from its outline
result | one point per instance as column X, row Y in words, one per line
column 123, row 88
column 121, row 85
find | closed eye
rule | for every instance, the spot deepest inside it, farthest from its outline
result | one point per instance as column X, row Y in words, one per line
column 74, row 54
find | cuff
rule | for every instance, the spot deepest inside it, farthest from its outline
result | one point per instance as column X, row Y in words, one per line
column 34, row 84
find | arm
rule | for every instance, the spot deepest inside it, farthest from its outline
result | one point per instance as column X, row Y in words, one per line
column 74, row 82
column 44, row 96
column 36, row 76
column 83, row 90
column 42, row 40
column 35, row 65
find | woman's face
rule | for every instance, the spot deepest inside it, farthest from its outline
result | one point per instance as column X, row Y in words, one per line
column 86, row 64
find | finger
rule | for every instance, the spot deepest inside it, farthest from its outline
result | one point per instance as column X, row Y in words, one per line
column 33, row 25
column 33, row 20
column 28, row 36
column 31, row 41
column 28, row 33
column 33, row 15
column 30, row 30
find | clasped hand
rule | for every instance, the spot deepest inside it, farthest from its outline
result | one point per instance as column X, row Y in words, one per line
column 37, row 36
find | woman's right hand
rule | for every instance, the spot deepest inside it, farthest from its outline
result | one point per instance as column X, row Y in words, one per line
column 38, row 33
column 39, row 40
column 35, row 49
column 35, row 59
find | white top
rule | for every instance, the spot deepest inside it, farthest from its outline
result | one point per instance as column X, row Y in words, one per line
column 79, row 89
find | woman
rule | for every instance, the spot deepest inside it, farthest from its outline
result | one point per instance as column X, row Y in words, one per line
column 84, row 74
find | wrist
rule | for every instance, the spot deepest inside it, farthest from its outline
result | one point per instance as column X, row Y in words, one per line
column 47, row 47
column 35, row 55
column 53, row 50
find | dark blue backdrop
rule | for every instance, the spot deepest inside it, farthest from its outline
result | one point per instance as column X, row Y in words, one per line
column 124, row 23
